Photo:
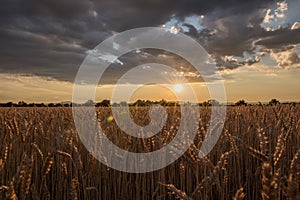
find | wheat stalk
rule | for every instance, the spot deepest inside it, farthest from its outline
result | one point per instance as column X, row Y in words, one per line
column 216, row 170
column 292, row 188
column 232, row 142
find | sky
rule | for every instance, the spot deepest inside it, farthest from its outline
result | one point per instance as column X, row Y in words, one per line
column 254, row 44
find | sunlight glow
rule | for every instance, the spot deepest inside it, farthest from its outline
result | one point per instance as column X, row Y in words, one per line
column 178, row 88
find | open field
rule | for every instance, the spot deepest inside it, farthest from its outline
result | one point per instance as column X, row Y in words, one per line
column 256, row 157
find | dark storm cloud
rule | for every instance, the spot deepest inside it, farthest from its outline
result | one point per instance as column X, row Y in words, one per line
column 135, row 13
column 51, row 38
column 280, row 38
column 145, row 56
column 231, row 33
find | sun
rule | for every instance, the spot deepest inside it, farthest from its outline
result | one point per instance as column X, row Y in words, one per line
column 178, row 88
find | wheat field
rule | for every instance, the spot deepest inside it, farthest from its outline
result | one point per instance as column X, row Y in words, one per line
column 256, row 157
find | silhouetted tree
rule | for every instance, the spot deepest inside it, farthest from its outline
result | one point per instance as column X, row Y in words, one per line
column 89, row 102
column 163, row 102
column 40, row 105
column 205, row 103
column 115, row 104
column 123, row 103
column 22, row 104
column 9, row 104
column 104, row 103
column 241, row 103
column 213, row 102
column 273, row 102
column 172, row 103
column 51, row 105
column 139, row 102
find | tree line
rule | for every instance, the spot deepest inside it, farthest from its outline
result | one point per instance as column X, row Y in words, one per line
column 139, row 102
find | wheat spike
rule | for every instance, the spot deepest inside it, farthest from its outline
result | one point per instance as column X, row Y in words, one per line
column 25, row 176
column 47, row 164
column 256, row 153
column 3, row 161
column 74, row 189
column 193, row 153
column 10, row 193
column 263, row 141
column 38, row 150
column 292, row 188
column 178, row 193
column 293, row 165
column 232, row 142
column 279, row 149
column 239, row 195
column 269, row 183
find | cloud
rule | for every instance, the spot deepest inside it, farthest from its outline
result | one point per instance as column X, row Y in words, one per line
column 174, row 30
column 274, row 20
column 134, row 58
column 281, row 8
column 33, row 88
column 279, row 38
column 268, row 17
column 51, row 38
column 230, row 35
column 287, row 58
column 296, row 25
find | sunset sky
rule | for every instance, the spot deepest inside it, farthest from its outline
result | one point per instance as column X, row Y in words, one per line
column 255, row 45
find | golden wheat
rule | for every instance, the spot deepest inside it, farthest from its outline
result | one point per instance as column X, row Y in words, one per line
column 42, row 157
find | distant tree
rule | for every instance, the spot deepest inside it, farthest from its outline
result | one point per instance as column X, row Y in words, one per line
column 139, row 102
column 89, row 102
column 148, row 102
column 104, row 103
column 115, row 104
column 273, row 102
column 123, row 103
column 51, row 105
column 241, row 103
column 40, row 105
column 293, row 104
column 213, row 102
column 172, row 103
column 163, row 102
column 22, row 104
column 205, row 103
column 9, row 104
